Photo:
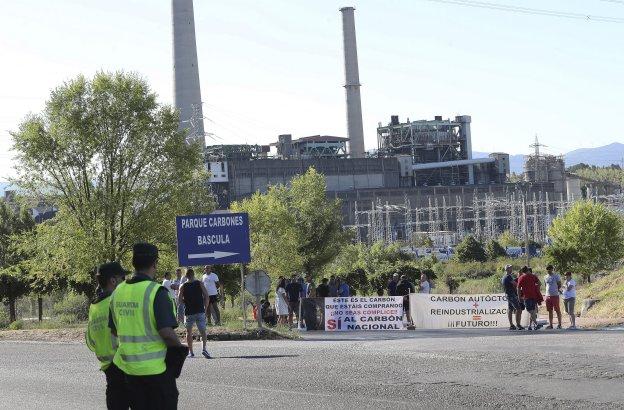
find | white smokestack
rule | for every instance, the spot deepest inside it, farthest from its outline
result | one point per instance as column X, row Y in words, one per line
column 355, row 129
column 186, row 91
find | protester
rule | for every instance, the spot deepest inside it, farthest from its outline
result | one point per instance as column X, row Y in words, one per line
column 552, row 281
column 392, row 284
column 143, row 345
column 333, row 287
column 404, row 288
column 529, row 292
column 380, row 291
column 425, row 286
column 343, row 288
column 212, row 285
column 514, row 306
column 322, row 291
column 180, row 280
column 281, row 302
column 267, row 313
column 569, row 297
column 99, row 338
column 195, row 298
column 293, row 290
column 310, row 289
column 170, row 286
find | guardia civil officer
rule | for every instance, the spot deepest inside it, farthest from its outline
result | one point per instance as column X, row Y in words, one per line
column 142, row 316
column 99, row 338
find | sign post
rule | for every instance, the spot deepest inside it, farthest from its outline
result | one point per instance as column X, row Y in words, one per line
column 258, row 284
column 215, row 239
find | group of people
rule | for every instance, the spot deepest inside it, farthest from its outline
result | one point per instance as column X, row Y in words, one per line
column 524, row 293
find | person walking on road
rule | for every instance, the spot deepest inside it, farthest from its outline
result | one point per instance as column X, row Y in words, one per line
column 404, row 288
column 99, row 338
column 552, row 281
column 195, row 299
column 569, row 297
column 514, row 306
column 281, row 302
column 142, row 316
column 212, row 285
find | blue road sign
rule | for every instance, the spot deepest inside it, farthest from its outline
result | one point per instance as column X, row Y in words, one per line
column 213, row 239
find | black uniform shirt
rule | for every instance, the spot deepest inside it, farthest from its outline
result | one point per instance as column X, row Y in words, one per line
column 163, row 307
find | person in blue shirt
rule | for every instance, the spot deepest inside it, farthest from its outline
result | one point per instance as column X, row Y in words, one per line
column 515, row 307
column 343, row 288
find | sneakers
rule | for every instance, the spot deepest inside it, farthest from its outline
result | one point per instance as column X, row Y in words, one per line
column 190, row 355
column 512, row 327
column 558, row 326
column 520, row 327
column 206, row 354
column 549, row 327
column 530, row 328
column 572, row 328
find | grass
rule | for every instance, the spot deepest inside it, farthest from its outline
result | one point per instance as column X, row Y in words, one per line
column 609, row 290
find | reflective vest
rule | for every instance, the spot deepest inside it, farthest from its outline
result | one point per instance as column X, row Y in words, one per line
column 141, row 350
column 98, row 336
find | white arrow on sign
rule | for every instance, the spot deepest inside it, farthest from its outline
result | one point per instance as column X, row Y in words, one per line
column 214, row 255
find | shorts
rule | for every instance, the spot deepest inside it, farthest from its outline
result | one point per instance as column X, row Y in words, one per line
column 552, row 302
column 514, row 304
column 530, row 304
column 197, row 318
column 213, row 298
column 568, row 305
column 293, row 307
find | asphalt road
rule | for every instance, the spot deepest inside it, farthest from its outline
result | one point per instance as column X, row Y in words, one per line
column 433, row 369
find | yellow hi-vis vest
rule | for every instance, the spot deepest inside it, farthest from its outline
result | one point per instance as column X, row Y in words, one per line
column 98, row 336
column 141, row 350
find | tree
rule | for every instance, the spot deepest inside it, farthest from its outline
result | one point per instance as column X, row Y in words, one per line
column 295, row 228
column 469, row 250
column 506, row 239
column 14, row 278
column 113, row 160
column 493, row 250
column 587, row 238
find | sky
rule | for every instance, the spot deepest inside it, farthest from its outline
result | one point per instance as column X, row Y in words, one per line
column 270, row 67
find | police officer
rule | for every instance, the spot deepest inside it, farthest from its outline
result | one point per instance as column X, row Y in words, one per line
column 99, row 338
column 143, row 317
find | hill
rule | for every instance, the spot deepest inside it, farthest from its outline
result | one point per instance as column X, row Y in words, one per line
column 599, row 156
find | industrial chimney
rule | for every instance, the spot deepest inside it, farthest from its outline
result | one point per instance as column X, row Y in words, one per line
column 355, row 129
column 186, row 91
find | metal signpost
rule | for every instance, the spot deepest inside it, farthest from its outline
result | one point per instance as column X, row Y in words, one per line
column 258, row 284
column 215, row 239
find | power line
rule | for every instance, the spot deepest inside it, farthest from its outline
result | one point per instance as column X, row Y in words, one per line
column 531, row 11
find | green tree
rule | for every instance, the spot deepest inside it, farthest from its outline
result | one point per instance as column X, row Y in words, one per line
column 295, row 228
column 493, row 250
column 588, row 238
column 506, row 239
column 14, row 278
column 469, row 250
column 113, row 160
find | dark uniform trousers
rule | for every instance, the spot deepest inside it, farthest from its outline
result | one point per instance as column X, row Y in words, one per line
column 116, row 393
column 157, row 392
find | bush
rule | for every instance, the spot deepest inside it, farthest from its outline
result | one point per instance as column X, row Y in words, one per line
column 73, row 308
column 493, row 249
column 470, row 250
column 17, row 325
column 4, row 319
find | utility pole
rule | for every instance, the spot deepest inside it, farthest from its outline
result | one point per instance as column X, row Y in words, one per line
column 526, row 232
column 536, row 145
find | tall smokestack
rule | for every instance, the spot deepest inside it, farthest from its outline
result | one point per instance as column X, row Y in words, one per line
column 186, row 91
column 355, row 129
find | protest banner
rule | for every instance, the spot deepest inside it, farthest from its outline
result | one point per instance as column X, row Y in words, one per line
column 458, row 311
column 364, row 313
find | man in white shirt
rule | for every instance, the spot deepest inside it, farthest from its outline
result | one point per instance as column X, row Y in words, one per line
column 569, row 297
column 425, row 286
column 171, row 286
column 212, row 285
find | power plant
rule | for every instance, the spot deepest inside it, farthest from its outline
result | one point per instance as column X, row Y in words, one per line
column 421, row 177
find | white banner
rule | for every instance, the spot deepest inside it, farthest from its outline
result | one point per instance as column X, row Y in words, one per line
column 364, row 313
column 458, row 311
